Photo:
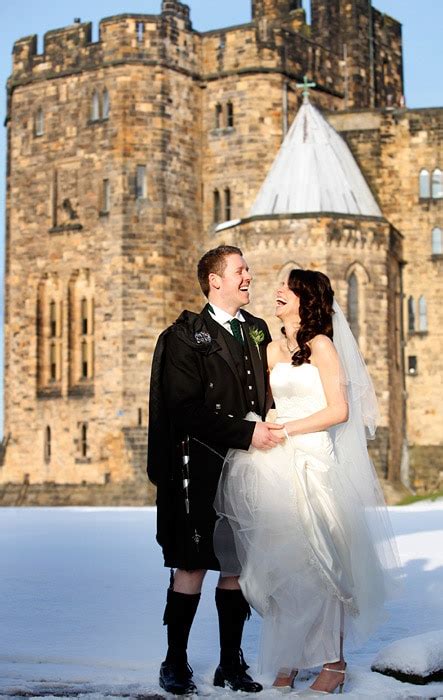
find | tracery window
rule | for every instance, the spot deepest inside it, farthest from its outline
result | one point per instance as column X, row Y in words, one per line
column 437, row 184
column 49, row 333
column 353, row 304
column 105, row 104
column 81, row 330
column 47, row 445
column 437, row 241
column 422, row 315
column 227, row 204
column 229, row 114
column 218, row 115
column 411, row 315
column 95, row 106
column 216, row 207
column 39, row 124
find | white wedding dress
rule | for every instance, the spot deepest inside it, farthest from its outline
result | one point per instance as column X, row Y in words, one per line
column 293, row 525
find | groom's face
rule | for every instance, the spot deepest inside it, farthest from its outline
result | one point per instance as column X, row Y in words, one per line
column 232, row 287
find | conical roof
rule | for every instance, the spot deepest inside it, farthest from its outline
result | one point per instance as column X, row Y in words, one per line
column 314, row 171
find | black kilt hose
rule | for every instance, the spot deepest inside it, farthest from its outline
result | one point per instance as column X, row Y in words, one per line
column 202, row 381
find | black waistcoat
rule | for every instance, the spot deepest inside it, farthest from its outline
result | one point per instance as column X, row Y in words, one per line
column 241, row 356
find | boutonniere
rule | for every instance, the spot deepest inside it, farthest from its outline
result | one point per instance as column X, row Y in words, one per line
column 202, row 338
column 257, row 336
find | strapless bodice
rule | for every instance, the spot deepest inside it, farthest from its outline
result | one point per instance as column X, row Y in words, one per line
column 297, row 391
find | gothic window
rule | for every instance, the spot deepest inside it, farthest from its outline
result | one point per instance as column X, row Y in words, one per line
column 53, row 361
column 437, row 184
column 218, row 116
column 230, row 114
column 412, row 364
column 53, row 319
column 227, row 204
column 39, row 125
column 140, row 30
column 422, row 315
column 47, row 445
column 411, row 315
column 105, row 104
column 95, row 106
column 353, row 305
column 140, row 184
column 424, row 184
column 49, row 333
column 106, row 196
column 84, row 447
column 81, row 330
column 437, row 241
column 216, row 207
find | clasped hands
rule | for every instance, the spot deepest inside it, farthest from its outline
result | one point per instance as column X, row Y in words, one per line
column 268, row 435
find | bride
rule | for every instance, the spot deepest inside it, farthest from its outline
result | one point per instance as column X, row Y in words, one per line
column 311, row 535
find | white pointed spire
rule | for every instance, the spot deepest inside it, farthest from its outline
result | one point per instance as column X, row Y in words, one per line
column 314, row 171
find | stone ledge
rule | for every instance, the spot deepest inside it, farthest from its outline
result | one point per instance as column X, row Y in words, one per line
column 125, row 493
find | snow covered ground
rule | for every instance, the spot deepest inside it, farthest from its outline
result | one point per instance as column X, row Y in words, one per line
column 82, row 593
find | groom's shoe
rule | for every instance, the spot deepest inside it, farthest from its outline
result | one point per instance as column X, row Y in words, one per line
column 176, row 678
column 234, row 676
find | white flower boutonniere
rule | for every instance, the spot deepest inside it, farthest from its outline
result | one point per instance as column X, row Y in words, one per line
column 257, row 336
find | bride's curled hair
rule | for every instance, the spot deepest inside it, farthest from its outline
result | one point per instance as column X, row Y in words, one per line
column 316, row 298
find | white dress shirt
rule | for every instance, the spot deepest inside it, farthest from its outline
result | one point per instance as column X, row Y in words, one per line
column 223, row 318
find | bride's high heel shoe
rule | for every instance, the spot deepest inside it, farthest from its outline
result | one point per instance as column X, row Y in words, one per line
column 289, row 684
column 311, row 692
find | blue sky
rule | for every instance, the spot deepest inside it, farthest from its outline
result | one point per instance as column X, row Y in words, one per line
column 422, row 41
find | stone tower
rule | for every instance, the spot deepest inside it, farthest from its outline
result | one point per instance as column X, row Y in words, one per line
column 123, row 157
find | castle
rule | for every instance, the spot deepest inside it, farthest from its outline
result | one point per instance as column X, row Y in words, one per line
column 130, row 156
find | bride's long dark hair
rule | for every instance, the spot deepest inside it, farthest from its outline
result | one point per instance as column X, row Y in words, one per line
column 316, row 298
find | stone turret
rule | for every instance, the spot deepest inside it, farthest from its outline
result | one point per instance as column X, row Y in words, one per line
column 274, row 9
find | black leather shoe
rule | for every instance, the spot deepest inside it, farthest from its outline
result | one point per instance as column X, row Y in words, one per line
column 176, row 678
column 234, row 676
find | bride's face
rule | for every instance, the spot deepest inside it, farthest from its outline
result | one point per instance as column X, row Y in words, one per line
column 287, row 303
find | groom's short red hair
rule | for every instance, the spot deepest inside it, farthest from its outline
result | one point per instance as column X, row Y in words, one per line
column 214, row 261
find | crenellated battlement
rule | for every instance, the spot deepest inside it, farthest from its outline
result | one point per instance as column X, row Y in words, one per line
column 127, row 37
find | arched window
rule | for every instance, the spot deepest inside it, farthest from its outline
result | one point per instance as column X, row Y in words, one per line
column 47, row 445
column 53, row 362
column 105, row 104
column 53, row 319
column 218, row 115
column 84, row 439
column 95, row 106
column 85, row 364
column 106, row 196
column 437, row 184
column 422, row 315
column 216, row 207
column 39, row 126
column 227, row 204
column 353, row 305
column 424, row 184
column 84, row 316
column 230, row 114
column 140, row 30
column 411, row 315
column 437, row 241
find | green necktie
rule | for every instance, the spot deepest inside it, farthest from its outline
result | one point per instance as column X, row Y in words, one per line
column 236, row 329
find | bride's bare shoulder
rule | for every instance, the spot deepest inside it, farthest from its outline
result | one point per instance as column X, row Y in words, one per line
column 322, row 345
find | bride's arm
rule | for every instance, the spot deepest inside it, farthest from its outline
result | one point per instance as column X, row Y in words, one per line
column 324, row 356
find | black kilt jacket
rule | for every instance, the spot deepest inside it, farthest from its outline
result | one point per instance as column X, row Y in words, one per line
column 197, row 406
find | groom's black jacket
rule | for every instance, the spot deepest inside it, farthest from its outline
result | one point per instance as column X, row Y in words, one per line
column 197, row 397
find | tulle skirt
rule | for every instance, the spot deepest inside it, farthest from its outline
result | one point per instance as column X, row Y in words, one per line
column 293, row 527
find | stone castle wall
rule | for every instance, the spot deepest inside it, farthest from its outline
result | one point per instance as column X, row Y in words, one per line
column 165, row 83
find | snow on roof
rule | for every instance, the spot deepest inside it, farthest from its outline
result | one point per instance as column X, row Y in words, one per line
column 314, row 171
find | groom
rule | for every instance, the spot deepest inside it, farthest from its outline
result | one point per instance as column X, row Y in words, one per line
column 209, row 370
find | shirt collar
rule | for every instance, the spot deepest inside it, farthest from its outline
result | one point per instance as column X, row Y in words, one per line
column 222, row 316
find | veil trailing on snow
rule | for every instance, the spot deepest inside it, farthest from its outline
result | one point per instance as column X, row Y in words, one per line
column 349, row 440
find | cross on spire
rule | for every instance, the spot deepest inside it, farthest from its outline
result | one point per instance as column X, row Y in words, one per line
column 306, row 85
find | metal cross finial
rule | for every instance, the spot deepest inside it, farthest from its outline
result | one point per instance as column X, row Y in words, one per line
column 306, row 85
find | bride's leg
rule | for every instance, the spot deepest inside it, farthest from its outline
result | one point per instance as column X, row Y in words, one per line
column 333, row 673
